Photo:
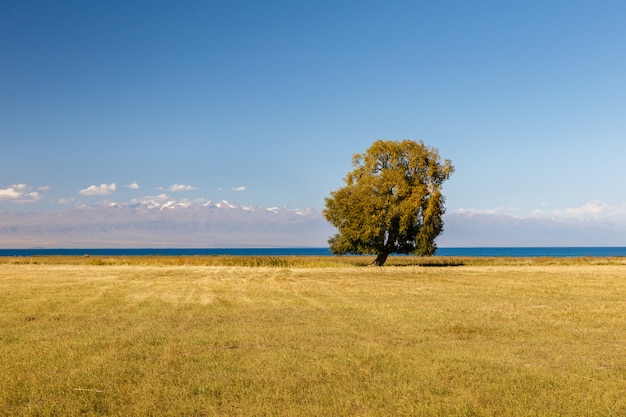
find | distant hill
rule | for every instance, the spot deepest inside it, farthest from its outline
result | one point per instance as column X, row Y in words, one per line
column 171, row 224
column 155, row 224
column 493, row 230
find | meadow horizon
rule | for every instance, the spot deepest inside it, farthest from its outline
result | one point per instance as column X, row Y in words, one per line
column 303, row 336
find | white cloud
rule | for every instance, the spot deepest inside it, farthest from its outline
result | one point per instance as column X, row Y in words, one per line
column 592, row 211
column 240, row 188
column 102, row 189
column 29, row 197
column 178, row 187
column 161, row 197
column 592, row 208
column 65, row 201
column 13, row 192
column 20, row 193
column 498, row 211
column 133, row 185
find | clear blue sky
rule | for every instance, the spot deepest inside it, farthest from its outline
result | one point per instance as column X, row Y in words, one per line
column 527, row 98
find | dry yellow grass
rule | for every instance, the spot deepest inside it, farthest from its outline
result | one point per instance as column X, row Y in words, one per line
column 138, row 338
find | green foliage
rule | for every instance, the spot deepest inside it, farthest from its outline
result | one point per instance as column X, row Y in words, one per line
column 392, row 201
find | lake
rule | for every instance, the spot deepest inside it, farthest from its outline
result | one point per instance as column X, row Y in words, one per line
column 560, row 252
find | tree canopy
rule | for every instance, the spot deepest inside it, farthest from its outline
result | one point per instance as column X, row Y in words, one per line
column 391, row 203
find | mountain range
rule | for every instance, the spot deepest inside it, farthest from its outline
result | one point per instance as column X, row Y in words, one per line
column 151, row 223
column 471, row 229
column 162, row 224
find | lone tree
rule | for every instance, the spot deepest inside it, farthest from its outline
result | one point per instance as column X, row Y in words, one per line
column 391, row 203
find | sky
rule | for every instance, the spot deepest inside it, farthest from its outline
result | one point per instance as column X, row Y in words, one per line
column 264, row 103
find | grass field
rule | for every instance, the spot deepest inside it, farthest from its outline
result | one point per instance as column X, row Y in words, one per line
column 220, row 336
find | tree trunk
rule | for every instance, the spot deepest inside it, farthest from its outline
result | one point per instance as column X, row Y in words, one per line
column 380, row 259
column 385, row 251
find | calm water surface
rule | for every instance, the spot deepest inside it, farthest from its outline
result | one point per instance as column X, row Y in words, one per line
column 560, row 252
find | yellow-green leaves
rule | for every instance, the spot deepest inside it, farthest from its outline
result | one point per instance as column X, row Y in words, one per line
column 392, row 201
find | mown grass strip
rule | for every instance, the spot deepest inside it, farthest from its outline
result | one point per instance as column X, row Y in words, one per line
column 304, row 261
column 158, row 339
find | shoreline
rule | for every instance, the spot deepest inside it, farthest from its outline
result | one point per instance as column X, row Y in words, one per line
column 304, row 261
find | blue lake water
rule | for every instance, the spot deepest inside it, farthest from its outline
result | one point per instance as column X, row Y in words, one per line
column 560, row 252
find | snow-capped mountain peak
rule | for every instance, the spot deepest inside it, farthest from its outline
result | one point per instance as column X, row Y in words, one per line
column 303, row 212
column 225, row 204
column 155, row 222
column 172, row 204
column 149, row 204
column 286, row 209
